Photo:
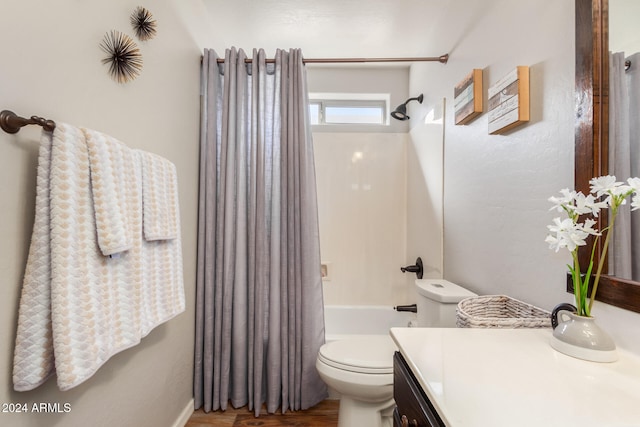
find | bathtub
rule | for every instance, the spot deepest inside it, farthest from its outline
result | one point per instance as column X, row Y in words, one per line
column 343, row 321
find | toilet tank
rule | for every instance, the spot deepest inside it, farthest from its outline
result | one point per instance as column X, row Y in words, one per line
column 437, row 302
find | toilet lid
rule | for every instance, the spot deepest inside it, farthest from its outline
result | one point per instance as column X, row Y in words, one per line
column 366, row 354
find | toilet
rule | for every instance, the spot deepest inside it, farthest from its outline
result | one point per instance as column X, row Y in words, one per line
column 437, row 302
column 360, row 369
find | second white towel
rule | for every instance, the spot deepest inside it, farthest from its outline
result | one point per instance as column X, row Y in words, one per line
column 114, row 191
column 159, row 197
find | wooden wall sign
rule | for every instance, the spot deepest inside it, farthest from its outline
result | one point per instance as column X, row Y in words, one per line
column 467, row 98
column 509, row 101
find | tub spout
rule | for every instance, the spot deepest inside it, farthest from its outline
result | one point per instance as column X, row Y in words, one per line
column 411, row 307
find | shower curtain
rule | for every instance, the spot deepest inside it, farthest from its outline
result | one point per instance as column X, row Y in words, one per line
column 259, row 313
column 624, row 159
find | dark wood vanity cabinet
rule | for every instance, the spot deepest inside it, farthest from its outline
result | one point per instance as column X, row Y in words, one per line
column 413, row 408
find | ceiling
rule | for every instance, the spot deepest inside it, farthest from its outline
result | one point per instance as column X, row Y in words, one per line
column 344, row 28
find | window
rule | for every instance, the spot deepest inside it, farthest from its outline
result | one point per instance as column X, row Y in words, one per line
column 349, row 109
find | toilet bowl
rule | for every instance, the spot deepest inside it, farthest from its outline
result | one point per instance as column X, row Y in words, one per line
column 361, row 371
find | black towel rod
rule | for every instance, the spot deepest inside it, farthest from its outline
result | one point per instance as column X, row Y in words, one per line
column 10, row 122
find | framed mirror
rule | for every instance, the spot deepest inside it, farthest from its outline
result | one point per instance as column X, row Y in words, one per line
column 592, row 129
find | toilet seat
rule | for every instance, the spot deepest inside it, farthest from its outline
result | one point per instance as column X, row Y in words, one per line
column 368, row 354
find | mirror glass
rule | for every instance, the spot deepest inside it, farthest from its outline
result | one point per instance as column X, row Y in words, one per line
column 624, row 130
column 592, row 130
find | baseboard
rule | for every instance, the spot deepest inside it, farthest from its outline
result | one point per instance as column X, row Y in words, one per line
column 184, row 415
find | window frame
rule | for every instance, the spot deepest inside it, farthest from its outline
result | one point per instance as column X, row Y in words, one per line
column 353, row 100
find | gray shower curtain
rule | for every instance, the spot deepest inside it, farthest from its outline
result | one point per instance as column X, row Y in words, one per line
column 624, row 160
column 259, row 308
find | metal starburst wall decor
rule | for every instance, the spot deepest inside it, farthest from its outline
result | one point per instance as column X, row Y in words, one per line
column 124, row 58
column 143, row 23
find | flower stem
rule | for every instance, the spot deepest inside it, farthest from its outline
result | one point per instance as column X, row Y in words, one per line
column 603, row 256
column 578, row 290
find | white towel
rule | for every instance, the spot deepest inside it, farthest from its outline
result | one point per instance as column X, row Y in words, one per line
column 159, row 197
column 163, row 291
column 33, row 354
column 113, row 190
column 98, row 305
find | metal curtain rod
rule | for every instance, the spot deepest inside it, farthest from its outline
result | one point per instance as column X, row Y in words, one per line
column 442, row 58
column 10, row 122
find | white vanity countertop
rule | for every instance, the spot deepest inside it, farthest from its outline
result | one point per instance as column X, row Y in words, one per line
column 513, row 378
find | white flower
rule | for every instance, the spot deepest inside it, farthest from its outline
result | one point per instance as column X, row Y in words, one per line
column 604, row 185
column 553, row 242
column 567, row 234
column 609, row 193
column 634, row 183
column 606, row 193
column 588, row 205
column 587, row 227
column 561, row 203
column 622, row 190
column 616, row 192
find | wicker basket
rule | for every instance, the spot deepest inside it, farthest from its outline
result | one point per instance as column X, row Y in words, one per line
column 500, row 311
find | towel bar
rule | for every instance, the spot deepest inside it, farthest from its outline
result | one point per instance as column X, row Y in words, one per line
column 10, row 122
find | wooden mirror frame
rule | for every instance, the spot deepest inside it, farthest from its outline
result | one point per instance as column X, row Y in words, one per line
column 592, row 131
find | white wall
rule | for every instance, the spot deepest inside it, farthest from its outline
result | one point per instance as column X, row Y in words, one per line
column 496, row 187
column 425, row 163
column 50, row 66
column 623, row 26
column 392, row 80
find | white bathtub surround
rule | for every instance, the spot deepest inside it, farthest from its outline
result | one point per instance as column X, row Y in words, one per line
column 362, row 207
column 513, row 377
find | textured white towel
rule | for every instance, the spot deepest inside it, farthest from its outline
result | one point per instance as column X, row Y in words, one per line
column 33, row 356
column 159, row 197
column 113, row 190
column 78, row 307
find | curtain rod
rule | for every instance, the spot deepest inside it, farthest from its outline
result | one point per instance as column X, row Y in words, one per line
column 442, row 58
column 10, row 122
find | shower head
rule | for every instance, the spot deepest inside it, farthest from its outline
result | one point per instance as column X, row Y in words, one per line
column 400, row 113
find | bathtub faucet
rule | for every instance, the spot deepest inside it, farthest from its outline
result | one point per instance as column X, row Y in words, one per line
column 411, row 307
column 417, row 268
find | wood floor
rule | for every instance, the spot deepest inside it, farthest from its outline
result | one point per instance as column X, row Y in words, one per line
column 325, row 414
